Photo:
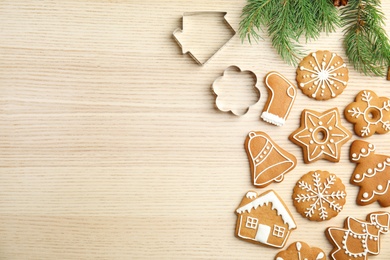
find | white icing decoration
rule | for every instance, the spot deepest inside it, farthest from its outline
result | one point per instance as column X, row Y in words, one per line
column 321, row 196
column 363, row 237
column 279, row 258
column 251, row 195
column 291, row 92
column 267, row 151
column 371, row 148
column 320, row 256
column 272, row 198
column 273, row 119
column 323, row 75
column 309, row 139
column 357, row 113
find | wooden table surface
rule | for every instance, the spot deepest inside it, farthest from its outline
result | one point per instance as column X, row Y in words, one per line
column 111, row 146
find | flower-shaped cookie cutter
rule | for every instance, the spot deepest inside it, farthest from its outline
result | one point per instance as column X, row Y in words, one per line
column 216, row 87
column 369, row 113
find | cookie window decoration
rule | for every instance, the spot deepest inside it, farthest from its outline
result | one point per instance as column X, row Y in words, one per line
column 322, row 75
column 358, row 238
column 319, row 195
column 372, row 174
column 320, row 135
column 369, row 113
column 264, row 219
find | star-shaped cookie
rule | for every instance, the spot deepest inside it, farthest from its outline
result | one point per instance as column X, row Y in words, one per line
column 320, row 135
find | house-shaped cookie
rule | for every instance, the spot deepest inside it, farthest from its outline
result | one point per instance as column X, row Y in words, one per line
column 264, row 219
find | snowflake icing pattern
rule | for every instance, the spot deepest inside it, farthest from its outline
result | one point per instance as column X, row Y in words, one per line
column 323, row 77
column 322, row 197
column 371, row 114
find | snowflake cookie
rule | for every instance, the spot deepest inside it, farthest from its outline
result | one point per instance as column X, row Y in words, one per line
column 358, row 239
column 320, row 135
column 319, row 195
column 300, row 251
column 322, row 75
column 369, row 113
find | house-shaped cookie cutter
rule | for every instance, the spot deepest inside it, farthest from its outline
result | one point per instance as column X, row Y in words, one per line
column 180, row 30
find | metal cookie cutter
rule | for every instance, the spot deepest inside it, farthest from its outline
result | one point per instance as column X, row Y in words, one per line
column 181, row 34
column 221, row 104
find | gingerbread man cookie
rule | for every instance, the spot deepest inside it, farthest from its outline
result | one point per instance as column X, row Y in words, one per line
column 301, row 251
column 358, row 239
column 320, row 135
column 369, row 113
column 322, row 75
column 319, row 195
column 281, row 97
column 264, row 219
column 372, row 174
column 268, row 161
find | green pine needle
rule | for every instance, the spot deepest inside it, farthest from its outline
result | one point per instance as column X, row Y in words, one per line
column 287, row 21
column 366, row 42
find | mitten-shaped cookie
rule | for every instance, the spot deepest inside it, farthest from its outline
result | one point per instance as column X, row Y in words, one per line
column 281, row 97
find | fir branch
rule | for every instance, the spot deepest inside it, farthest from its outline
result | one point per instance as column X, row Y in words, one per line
column 366, row 42
column 287, row 21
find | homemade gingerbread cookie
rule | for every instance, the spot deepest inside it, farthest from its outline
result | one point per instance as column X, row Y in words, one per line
column 322, row 75
column 319, row 195
column 268, row 161
column 281, row 97
column 264, row 219
column 369, row 113
column 358, row 239
column 372, row 174
column 320, row 135
column 300, row 251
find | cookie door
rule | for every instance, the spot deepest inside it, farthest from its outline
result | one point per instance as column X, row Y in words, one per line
column 262, row 234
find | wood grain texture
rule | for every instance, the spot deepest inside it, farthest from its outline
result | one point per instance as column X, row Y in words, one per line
column 110, row 144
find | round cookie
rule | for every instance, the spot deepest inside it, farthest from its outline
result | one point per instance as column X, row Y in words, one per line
column 319, row 195
column 322, row 75
column 299, row 251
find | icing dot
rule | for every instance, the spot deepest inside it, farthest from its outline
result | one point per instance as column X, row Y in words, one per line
column 310, row 130
column 369, row 170
column 354, row 155
column 388, row 160
column 380, row 165
column 302, row 85
column 322, row 147
column 267, row 148
column 311, row 142
column 313, row 95
column 370, row 145
column 331, row 141
column 363, row 225
column 357, row 176
column 365, row 195
column 320, row 123
column 330, row 128
column 264, row 152
column 380, row 187
column 257, row 160
column 375, row 239
column 363, row 150
column 333, row 95
column 261, row 157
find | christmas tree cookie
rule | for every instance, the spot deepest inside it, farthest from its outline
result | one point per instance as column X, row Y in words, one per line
column 372, row 174
column 358, row 239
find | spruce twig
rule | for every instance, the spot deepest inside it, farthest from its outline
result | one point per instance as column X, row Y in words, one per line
column 287, row 21
column 366, row 42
